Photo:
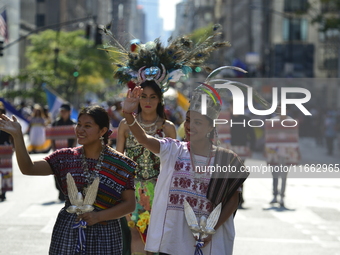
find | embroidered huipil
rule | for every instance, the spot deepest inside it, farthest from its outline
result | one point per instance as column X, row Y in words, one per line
column 116, row 175
column 168, row 230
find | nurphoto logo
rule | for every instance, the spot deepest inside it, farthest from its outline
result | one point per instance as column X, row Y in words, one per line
column 238, row 104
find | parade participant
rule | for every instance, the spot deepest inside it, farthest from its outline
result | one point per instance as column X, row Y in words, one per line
column 281, row 149
column 180, row 180
column 37, row 132
column 151, row 117
column 92, row 162
column 154, row 67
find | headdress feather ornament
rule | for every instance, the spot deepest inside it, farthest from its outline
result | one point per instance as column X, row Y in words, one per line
column 153, row 61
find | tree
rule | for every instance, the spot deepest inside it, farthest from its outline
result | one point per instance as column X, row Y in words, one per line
column 67, row 62
column 325, row 13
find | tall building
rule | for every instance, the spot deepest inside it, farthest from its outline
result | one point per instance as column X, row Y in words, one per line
column 153, row 24
column 128, row 21
column 184, row 14
column 9, row 62
column 270, row 38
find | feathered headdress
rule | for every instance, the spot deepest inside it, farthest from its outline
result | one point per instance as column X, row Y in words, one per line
column 153, row 61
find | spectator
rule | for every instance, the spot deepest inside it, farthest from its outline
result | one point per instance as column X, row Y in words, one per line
column 64, row 119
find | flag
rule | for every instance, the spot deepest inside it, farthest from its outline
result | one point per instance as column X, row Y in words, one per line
column 54, row 102
column 10, row 111
column 3, row 26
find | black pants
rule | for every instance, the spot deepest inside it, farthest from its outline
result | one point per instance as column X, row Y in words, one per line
column 330, row 145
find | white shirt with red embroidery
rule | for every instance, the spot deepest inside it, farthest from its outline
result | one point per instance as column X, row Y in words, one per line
column 168, row 231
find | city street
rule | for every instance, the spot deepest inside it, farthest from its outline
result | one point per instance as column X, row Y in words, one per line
column 309, row 225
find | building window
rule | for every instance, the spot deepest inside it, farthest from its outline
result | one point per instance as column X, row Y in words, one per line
column 40, row 20
column 295, row 29
column 330, row 6
column 295, row 5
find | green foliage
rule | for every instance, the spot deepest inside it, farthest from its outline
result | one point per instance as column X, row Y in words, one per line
column 54, row 57
column 327, row 20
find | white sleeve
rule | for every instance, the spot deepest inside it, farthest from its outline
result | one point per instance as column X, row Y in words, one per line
column 169, row 150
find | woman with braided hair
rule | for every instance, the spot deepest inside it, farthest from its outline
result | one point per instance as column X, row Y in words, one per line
column 92, row 163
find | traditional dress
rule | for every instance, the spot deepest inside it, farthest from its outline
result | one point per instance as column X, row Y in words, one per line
column 169, row 231
column 37, row 136
column 116, row 175
column 147, row 172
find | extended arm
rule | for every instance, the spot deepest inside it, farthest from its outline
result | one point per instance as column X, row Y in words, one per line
column 121, row 139
column 26, row 165
column 130, row 103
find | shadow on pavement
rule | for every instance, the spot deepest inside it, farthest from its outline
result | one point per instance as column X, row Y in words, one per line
column 52, row 203
column 277, row 208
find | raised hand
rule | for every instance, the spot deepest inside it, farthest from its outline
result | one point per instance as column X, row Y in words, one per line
column 10, row 126
column 132, row 99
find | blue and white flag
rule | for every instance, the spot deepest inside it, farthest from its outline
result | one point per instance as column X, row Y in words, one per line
column 54, row 102
column 10, row 111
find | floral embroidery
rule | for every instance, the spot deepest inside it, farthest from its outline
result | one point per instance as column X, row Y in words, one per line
column 174, row 198
column 175, row 182
column 192, row 201
column 184, row 183
column 179, row 165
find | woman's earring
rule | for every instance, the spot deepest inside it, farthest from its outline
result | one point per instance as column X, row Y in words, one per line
column 102, row 140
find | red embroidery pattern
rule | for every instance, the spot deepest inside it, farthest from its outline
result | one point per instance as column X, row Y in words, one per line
column 179, row 166
column 185, row 186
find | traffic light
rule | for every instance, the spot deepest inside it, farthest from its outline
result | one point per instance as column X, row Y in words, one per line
column 75, row 74
column 1, row 48
column 88, row 31
column 98, row 38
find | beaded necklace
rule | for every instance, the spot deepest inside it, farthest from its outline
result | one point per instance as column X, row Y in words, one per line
column 91, row 175
column 152, row 127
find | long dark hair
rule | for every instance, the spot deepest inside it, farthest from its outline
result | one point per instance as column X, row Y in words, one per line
column 100, row 117
column 160, row 107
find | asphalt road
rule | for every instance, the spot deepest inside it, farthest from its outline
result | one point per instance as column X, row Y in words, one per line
column 308, row 225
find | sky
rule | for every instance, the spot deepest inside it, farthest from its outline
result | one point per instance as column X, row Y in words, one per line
column 167, row 11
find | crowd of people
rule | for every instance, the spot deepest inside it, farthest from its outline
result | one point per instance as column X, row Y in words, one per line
column 147, row 190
